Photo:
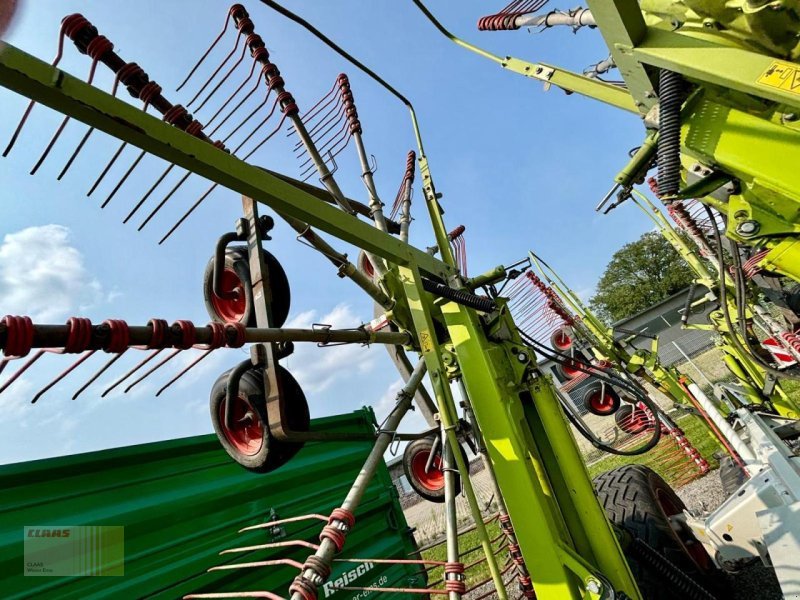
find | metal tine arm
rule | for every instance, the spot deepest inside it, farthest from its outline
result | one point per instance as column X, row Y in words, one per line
column 124, row 73
column 85, row 36
column 205, row 54
column 402, row 202
column 235, row 93
column 70, row 25
column 97, row 48
column 231, row 70
column 240, row 19
column 342, row 520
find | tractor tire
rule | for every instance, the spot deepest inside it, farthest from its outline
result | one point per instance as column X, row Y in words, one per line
column 429, row 485
column 638, row 500
column 236, row 279
column 249, row 442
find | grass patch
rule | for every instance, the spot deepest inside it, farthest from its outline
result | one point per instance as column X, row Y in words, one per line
column 696, row 432
column 470, row 542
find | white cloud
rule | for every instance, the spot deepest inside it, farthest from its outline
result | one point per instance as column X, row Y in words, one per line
column 43, row 276
column 316, row 369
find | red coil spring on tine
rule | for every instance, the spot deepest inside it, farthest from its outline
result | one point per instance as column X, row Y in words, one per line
column 158, row 341
column 456, row 583
column 407, row 181
column 19, row 336
column 71, row 25
column 233, row 9
column 186, row 332
column 98, row 47
column 79, row 336
column 117, row 343
column 218, row 340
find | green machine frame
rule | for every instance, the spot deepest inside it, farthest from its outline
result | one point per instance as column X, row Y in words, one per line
column 740, row 121
column 564, row 536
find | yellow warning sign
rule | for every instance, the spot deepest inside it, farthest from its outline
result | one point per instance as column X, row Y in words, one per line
column 426, row 342
column 782, row 76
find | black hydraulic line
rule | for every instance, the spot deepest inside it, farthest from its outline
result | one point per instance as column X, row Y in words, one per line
column 723, row 292
column 609, row 379
column 336, row 48
column 670, row 97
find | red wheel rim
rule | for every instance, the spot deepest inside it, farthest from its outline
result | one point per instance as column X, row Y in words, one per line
column 561, row 340
column 246, row 433
column 602, row 404
column 570, row 368
column 694, row 549
column 232, row 307
column 433, row 480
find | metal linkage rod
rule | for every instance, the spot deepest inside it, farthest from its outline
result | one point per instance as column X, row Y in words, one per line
column 402, row 202
column 333, row 536
column 17, row 338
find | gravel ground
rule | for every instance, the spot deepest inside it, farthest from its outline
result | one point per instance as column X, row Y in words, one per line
column 753, row 582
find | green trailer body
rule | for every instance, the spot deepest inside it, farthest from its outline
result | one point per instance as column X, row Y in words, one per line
column 182, row 501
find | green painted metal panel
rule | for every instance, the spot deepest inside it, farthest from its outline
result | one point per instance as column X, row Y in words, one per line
column 181, row 502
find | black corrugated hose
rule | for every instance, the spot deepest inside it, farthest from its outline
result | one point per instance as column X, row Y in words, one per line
column 670, row 96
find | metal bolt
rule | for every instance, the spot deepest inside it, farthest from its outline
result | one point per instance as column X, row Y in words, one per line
column 538, row 70
column 593, row 586
column 522, row 357
column 748, row 228
column 789, row 117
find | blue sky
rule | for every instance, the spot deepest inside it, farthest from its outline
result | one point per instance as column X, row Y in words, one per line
column 520, row 168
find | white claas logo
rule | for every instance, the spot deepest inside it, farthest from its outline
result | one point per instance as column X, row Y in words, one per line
column 346, row 578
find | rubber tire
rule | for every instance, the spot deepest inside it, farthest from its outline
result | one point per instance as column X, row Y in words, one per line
column 616, row 401
column 273, row 453
column 237, row 260
column 422, row 445
column 628, row 495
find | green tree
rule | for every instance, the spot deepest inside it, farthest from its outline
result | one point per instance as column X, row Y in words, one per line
column 639, row 275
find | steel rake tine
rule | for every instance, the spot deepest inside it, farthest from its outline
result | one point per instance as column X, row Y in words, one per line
column 96, row 48
column 216, row 72
column 187, row 213
column 214, row 186
column 236, row 92
column 259, row 563
column 86, row 136
column 150, row 191
column 153, row 370
column 66, row 24
column 94, row 377
column 224, row 78
column 19, row 371
column 131, row 372
column 106, row 170
column 183, row 371
column 63, row 374
column 267, row 595
column 164, row 200
column 208, row 51
column 255, row 129
column 122, row 181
